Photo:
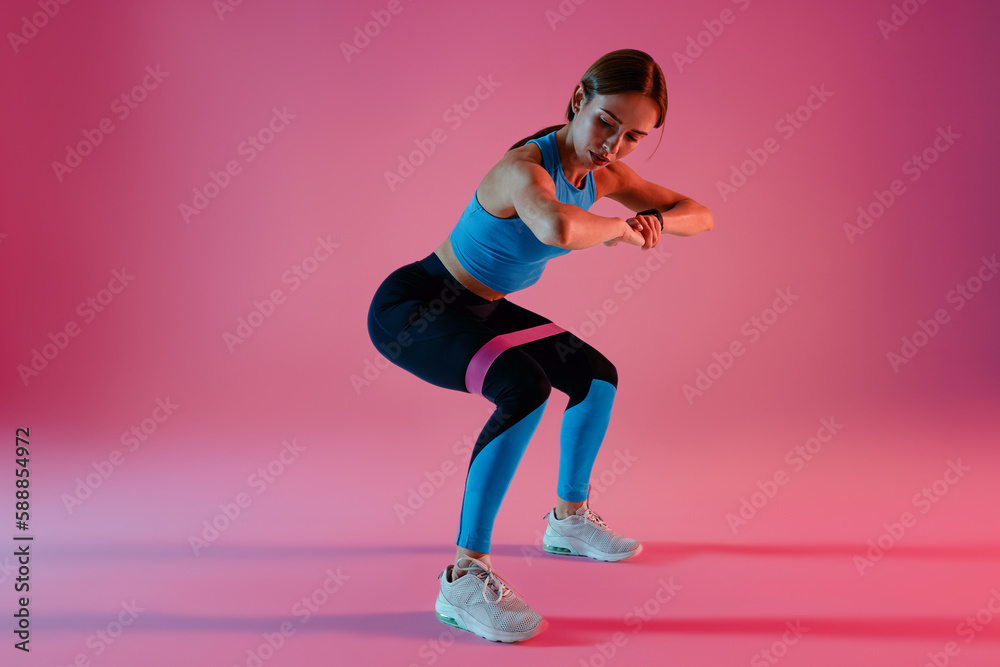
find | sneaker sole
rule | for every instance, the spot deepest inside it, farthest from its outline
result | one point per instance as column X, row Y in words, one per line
column 456, row 618
column 569, row 546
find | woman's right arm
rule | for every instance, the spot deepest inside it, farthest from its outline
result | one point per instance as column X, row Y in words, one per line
column 533, row 194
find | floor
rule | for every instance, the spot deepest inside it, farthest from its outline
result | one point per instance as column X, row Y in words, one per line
column 308, row 564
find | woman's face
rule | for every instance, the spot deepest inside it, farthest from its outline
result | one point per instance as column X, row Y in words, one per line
column 611, row 126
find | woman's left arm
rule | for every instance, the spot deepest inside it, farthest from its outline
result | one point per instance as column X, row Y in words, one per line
column 686, row 217
column 682, row 216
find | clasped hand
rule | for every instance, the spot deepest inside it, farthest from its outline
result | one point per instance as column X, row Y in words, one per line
column 644, row 231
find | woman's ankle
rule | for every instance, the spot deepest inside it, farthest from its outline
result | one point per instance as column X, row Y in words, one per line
column 460, row 570
column 566, row 512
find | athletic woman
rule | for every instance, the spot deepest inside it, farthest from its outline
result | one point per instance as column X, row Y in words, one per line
column 447, row 320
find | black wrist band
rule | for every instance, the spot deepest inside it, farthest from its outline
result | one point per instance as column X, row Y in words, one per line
column 653, row 211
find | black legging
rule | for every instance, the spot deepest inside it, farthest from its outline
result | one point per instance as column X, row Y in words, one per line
column 426, row 322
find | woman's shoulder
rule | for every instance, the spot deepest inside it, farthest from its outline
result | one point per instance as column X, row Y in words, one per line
column 495, row 190
column 530, row 151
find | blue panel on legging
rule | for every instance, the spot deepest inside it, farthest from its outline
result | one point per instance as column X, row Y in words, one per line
column 490, row 474
column 581, row 434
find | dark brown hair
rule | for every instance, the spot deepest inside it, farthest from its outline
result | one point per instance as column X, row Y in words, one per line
column 621, row 71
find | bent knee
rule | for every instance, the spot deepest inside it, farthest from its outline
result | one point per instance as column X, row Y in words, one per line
column 537, row 389
column 602, row 368
column 517, row 382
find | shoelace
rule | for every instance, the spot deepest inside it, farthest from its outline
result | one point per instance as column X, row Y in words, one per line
column 492, row 582
column 591, row 515
column 594, row 517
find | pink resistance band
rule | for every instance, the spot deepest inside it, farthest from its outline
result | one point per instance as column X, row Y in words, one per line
column 487, row 354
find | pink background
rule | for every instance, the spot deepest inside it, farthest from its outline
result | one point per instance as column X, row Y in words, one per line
column 364, row 447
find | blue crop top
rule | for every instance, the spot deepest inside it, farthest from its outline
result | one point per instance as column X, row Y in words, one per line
column 503, row 253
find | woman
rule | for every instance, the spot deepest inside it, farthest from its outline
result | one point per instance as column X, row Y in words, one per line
column 446, row 319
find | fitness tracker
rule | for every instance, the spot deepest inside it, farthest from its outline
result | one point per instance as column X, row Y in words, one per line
column 653, row 211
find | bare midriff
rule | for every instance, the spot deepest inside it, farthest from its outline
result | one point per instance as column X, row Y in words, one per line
column 447, row 256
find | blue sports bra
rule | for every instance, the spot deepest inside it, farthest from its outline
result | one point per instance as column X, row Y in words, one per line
column 503, row 253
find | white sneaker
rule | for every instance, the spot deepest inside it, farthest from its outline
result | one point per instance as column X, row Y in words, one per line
column 586, row 534
column 485, row 604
